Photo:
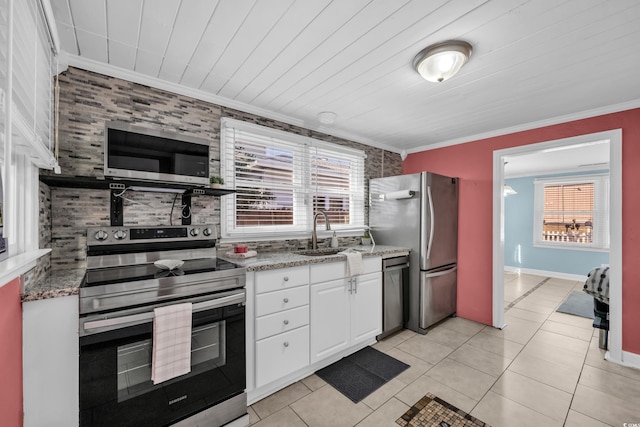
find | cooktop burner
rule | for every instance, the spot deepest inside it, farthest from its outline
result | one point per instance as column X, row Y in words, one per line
column 121, row 273
column 134, row 273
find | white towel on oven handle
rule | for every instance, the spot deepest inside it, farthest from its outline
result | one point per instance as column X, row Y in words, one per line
column 171, row 354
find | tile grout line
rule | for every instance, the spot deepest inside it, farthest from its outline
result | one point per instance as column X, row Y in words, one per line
column 523, row 296
column 526, row 294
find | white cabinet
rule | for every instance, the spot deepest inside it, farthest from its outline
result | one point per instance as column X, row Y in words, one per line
column 347, row 311
column 366, row 308
column 50, row 359
column 329, row 318
column 281, row 323
column 302, row 318
column 281, row 354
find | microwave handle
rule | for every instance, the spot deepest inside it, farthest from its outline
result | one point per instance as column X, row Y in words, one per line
column 137, row 319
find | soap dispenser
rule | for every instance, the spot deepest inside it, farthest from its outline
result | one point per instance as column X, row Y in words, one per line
column 334, row 240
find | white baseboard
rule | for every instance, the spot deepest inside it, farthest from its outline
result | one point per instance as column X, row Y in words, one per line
column 554, row 274
column 630, row 359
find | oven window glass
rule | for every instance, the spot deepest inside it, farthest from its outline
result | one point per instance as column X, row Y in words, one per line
column 134, row 359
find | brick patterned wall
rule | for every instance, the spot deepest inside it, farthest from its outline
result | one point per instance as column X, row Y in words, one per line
column 43, row 264
column 87, row 101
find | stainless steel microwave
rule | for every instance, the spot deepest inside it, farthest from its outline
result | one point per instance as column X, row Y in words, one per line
column 136, row 152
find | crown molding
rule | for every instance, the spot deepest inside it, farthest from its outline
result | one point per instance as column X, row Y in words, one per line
column 132, row 76
column 615, row 108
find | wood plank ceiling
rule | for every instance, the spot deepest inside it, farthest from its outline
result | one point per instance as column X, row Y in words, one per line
column 533, row 61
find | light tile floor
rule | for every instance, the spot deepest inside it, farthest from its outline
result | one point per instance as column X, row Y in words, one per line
column 543, row 369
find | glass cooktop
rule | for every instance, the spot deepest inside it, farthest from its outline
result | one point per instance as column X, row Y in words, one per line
column 133, row 273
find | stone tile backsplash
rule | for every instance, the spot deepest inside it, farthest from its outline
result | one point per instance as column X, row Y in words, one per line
column 87, row 101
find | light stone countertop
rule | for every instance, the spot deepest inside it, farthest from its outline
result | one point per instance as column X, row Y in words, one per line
column 275, row 260
column 60, row 283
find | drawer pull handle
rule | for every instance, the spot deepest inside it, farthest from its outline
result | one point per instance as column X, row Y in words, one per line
column 286, row 278
column 286, row 300
column 286, row 322
column 286, row 343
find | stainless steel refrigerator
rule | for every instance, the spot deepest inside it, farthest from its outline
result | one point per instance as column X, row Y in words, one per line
column 420, row 211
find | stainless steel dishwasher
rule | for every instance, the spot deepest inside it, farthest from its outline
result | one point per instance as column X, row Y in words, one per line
column 395, row 280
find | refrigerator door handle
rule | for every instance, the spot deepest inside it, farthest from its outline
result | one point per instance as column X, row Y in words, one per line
column 441, row 273
column 431, row 220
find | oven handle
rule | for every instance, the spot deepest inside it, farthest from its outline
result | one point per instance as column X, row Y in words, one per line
column 137, row 319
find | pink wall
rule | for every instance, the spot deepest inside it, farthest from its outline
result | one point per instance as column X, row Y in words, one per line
column 472, row 162
column 11, row 355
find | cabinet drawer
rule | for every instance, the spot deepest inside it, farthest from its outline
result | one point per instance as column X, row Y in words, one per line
column 372, row 264
column 281, row 354
column 326, row 272
column 273, row 302
column 283, row 321
column 282, row 278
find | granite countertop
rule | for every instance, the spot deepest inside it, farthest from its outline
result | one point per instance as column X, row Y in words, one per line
column 275, row 260
column 58, row 283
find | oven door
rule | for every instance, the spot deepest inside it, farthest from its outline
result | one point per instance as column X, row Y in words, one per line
column 115, row 365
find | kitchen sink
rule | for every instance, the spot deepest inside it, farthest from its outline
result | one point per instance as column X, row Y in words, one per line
column 320, row 251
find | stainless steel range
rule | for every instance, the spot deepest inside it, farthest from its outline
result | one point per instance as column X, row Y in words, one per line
column 118, row 296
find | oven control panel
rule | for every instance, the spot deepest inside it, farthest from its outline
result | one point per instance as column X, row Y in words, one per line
column 97, row 236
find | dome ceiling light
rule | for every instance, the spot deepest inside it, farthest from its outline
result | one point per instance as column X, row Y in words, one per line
column 327, row 117
column 442, row 61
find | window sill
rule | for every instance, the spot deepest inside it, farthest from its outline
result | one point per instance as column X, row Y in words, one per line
column 17, row 265
column 569, row 247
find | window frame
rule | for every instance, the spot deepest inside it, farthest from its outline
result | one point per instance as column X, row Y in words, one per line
column 600, row 237
column 303, row 191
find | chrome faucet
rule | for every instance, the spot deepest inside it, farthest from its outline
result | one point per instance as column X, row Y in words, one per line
column 314, row 235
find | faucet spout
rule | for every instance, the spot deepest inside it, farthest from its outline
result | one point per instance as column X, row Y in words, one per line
column 314, row 235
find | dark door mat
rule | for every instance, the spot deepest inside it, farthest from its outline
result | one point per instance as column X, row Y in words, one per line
column 361, row 373
column 578, row 304
column 431, row 411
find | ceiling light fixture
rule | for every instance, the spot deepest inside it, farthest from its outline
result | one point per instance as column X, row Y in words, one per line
column 327, row 117
column 441, row 61
column 509, row 191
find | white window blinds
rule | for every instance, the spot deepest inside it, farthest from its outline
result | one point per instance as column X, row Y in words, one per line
column 32, row 83
column 283, row 179
column 572, row 211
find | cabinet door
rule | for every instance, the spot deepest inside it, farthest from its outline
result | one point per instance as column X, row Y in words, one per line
column 366, row 307
column 329, row 318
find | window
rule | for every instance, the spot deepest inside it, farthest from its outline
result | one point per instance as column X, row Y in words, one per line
column 26, row 97
column 572, row 212
column 282, row 180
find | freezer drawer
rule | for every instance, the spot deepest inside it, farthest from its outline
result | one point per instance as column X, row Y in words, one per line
column 438, row 291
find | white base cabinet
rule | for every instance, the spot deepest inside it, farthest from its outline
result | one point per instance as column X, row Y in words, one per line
column 282, row 354
column 281, row 323
column 301, row 319
column 329, row 319
column 366, row 318
column 345, row 312
column 50, row 346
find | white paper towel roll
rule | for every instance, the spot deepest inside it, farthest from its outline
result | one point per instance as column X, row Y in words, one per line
column 402, row 194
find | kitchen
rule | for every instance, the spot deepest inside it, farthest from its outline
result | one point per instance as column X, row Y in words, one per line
column 104, row 98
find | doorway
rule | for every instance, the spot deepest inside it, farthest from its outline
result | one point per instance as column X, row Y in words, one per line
column 615, row 214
